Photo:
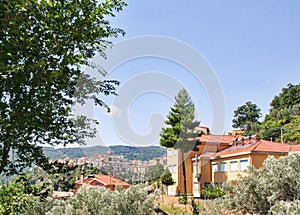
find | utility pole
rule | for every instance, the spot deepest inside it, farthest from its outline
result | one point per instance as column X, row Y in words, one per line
column 281, row 135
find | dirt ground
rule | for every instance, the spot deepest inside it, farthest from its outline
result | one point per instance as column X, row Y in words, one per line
column 174, row 202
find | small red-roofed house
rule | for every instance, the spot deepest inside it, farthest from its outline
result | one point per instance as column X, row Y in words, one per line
column 99, row 180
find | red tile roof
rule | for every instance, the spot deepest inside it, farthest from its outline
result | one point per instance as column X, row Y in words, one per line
column 263, row 146
column 104, row 179
column 295, row 148
column 216, row 139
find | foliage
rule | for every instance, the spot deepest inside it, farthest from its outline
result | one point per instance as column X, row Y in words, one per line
column 104, row 201
column 139, row 153
column 183, row 199
column 257, row 192
column 44, row 46
column 61, row 175
column 180, row 131
column 166, row 178
column 284, row 116
column 246, row 118
column 154, row 172
column 21, row 197
column 129, row 152
column 195, row 207
column 288, row 97
column 212, row 192
column 283, row 208
column 212, row 207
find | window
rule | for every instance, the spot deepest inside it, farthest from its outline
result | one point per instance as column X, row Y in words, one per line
column 215, row 167
column 223, row 167
column 244, row 165
column 233, row 166
column 172, row 168
column 194, row 170
column 196, row 187
column 175, row 168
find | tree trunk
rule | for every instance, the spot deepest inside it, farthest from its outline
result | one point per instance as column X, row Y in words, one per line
column 183, row 171
column 4, row 156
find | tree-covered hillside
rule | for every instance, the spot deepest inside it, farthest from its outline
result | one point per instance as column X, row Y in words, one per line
column 139, row 153
column 129, row 152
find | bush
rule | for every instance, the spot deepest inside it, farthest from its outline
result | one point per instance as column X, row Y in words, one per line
column 212, row 192
column 92, row 201
column 283, row 208
column 212, row 207
column 262, row 189
column 20, row 197
column 183, row 199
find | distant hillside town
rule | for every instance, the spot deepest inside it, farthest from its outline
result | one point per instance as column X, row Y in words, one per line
column 116, row 165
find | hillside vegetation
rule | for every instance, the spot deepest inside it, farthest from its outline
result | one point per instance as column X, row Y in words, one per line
column 129, row 152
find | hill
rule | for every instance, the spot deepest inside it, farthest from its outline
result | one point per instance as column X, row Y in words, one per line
column 129, row 152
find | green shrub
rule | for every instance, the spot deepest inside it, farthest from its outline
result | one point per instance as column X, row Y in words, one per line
column 183, row 199
column 195, row 207
column 262, row 189
column 92, row 201
column 283, row 208
column 212, row 192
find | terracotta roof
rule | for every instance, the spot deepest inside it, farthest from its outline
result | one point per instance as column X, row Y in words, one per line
column 216, row 139
column 268, row 146
column 295, row 148
column 206, row 155
column 104, row 179
column 260, row 146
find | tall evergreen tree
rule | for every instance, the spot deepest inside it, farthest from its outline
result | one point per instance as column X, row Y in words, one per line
column 180, row 132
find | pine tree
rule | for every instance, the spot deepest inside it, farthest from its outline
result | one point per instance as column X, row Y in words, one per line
column 180, row 133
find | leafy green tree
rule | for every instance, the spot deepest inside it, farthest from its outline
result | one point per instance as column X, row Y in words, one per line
column 282, row 122
column 288, row 97
column 166, row 178
column 246, row 118
column 44, row 46
column 154, row 172
column 278, row 180
column 180, row 131
column 21, row 197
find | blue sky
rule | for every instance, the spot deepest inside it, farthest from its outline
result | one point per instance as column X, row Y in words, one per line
column 252, row 46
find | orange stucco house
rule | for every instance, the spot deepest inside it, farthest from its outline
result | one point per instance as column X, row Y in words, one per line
column 221, row 158
column 99, row 180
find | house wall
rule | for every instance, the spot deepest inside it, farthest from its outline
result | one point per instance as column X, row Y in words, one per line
column 205, row 170
column 228, row 174
column 257, row 160
column 172, row 164
column 189, row 177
